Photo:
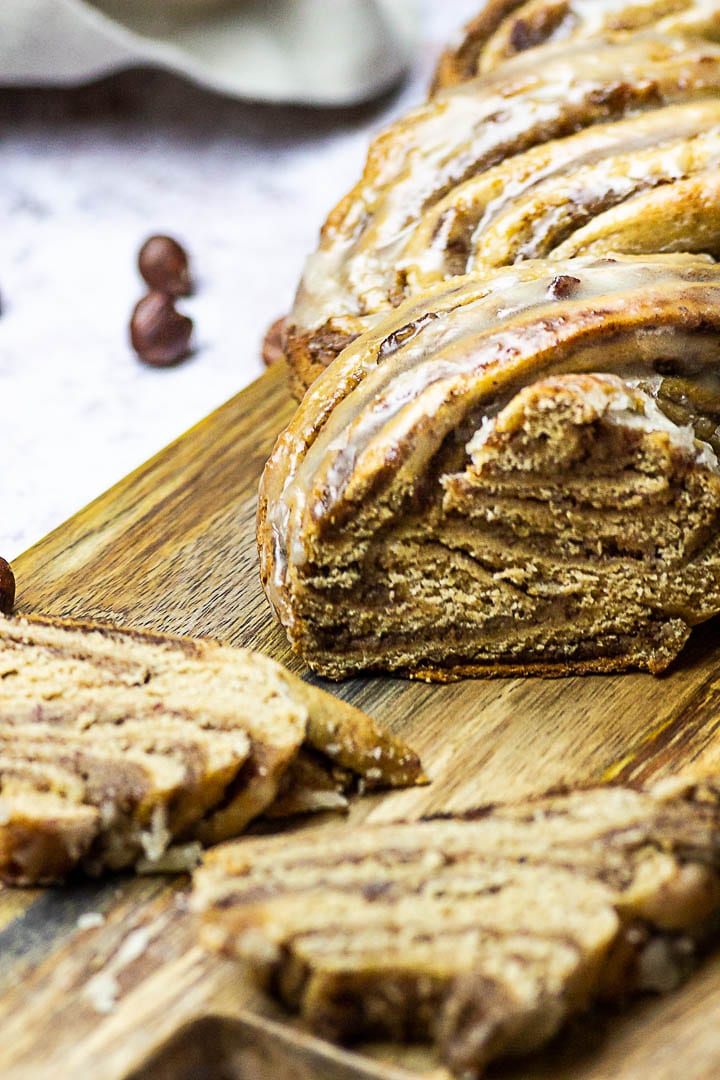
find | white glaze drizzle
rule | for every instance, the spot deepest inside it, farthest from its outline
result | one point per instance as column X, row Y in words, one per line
column 463, row 129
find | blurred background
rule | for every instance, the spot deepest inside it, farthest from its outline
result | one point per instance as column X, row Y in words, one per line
column 88, row 172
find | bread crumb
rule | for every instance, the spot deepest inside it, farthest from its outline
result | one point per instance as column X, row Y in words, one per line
column 178, row 859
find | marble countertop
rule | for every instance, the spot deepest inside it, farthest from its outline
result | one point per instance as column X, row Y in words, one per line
column 85, row 176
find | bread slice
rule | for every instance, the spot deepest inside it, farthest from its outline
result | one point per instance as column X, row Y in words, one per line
column 114, row 743
column 515, row 473
column 504, row 29
column 482, row 932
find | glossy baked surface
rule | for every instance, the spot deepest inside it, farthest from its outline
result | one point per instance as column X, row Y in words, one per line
column 568, row 149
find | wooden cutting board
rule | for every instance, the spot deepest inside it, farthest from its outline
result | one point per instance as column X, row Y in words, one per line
column 102, row 981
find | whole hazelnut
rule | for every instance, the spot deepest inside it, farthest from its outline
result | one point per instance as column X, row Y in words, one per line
column 164, row 265
column 160, row 335
column 273, row 348
column 7, row 587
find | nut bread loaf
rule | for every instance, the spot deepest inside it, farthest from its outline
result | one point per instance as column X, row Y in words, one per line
column 506, row 28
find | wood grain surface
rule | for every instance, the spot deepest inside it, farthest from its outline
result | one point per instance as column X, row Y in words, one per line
column 129, row 992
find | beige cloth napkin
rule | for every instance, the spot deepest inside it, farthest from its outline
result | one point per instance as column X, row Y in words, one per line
column 315, row 52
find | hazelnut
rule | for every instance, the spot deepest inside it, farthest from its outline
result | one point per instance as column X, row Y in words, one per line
column 7, row 587
column 273, row 348
column 563, row 286
column 164, row 265
column 160, row 335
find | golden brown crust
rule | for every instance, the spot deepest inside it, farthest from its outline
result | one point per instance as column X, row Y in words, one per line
column 273, row 346
column 353, row 740
column 117, row 634
column 308, row 354
column 599, row 665
column 460, row 61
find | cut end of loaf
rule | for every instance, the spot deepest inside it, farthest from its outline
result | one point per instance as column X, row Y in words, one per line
column 516, row 473
column 579, row 537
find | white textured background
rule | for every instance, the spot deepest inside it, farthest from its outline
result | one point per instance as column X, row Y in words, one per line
column 85, row 176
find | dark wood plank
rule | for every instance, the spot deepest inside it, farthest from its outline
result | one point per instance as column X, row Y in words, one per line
column 172, row 547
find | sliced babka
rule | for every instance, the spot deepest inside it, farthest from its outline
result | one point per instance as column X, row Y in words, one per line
column 460, row 494
column 115, row 743
column 572, row 148
column 480, row 933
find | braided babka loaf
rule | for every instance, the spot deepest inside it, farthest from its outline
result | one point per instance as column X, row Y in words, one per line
column 480, row 933
column 504, row 28
column 569, row 149
column 116, row 743
column 460, row 493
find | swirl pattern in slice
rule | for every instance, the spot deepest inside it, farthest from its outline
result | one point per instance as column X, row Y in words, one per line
column 462, row 492
column 479, row 933
column 116, row 743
